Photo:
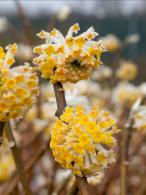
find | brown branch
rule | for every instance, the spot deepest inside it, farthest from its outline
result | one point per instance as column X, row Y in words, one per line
column 82, row 185
column 25, row 23
column 2, row 124
column 17, row 159
column 125, row 156
column 60, row 99
column 61, row 104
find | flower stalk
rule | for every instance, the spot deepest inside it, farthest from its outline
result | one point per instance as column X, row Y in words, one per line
column 2, row 124
column 17, row 159
column 125, row 156
column 61, row 104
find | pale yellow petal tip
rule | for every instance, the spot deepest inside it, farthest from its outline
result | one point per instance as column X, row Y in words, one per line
column 76, row 27
column 12, row 48
column 53, row 32
column 42, row 34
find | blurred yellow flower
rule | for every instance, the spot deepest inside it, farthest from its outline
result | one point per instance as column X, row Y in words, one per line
column 18, row 85
column 68, row 59
column 111, row 42
column 83, row 141
column 127, row 71
column 125, row 94
column 102, row 74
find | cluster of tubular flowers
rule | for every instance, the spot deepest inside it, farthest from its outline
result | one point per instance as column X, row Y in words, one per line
column 102, row 74
column 83, row 142
column 127, row 71
column 125, row 94
column 18, row 85
column 111, row 42
column 68, row 59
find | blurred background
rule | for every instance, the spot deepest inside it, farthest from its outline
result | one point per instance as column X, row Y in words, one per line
column 118, row 17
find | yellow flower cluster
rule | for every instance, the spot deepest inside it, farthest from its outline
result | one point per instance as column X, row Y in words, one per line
column 125, row 94
column 127, row 71
column 18, row 85
column 111, row 42
column 82, row 141
column 68, row 59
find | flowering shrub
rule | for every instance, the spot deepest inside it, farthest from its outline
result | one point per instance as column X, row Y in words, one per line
column 83, row 140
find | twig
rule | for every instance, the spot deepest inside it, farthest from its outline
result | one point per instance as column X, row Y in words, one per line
column 61, row 104
column 125, row 156
column 82, row 185
column 2, row 124
column 17, row 159
column 25, row 22
column 60, row 99
column 73, row 190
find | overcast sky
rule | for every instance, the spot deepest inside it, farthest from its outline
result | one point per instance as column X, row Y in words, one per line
column 34, row 7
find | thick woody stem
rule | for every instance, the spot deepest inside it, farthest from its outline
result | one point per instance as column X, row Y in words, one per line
column 61, row 104
column 60, row 99
column 2, row 124
column 17, row 159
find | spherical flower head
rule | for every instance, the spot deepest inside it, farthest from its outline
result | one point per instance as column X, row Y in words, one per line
column 111, row 42
column 125, row 94
column 127, row 71
column 102, row 74
column 132, row 39
column 68, row 59
column 83, row 142
column 18, row 85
